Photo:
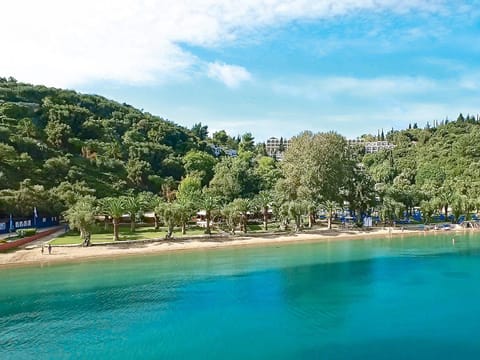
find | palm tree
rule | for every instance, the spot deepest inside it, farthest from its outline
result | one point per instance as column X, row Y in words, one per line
column 115, row 208
column 242, row 206
column 445, row 196
column 282, row 214
column 264, row 200
column 231, row 217
column 184, row 210
column 151, row 204
column 390, row 209
column 208, row 203
column 133, row 205
column 296, row 209
column 311, row 208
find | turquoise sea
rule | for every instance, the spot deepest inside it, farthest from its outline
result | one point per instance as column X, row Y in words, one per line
column 398, row 298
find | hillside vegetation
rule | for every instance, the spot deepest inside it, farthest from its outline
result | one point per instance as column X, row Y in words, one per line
column 66, row 141
column 63, row 150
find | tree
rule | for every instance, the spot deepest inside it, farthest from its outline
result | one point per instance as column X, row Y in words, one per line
column 267, row 173
column 220, row 138
column 281, row 146
column 282, row 214
column 189, row 189
column 22, row 201
column 169, row 215
column 152, row 204
column 115, row 208
column 184, row 212
column 208, row 203
column 57, row 133
column 390, row 209
column 70, row 193
column 242, row 206
column 296, row 209
column 137, row 171
column 231, row 217
column 360, row 191
column 459, row 205
column 428, row 208
column 445, row 197
column 27, row 128
column 316, row 167
column 311, row 208
column 247, row 143
column 330, row 207
column 56, row 168
column 168, row 189
column 199, row 164
column 133, row 206
column 81, row 216
column 200, row 131
column 264, row 200
column 234, row 178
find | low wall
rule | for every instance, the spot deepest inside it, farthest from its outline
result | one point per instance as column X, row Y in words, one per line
column 26, row 240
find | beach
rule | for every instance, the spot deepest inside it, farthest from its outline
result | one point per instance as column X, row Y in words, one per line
column 32, row 254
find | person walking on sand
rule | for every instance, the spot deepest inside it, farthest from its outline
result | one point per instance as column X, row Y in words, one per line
column 49, row 249
column 43, row 249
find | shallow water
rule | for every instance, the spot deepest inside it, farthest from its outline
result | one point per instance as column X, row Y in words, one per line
column 399, row 298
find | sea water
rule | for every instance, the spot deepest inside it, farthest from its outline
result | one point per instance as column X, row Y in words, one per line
column 396, row 298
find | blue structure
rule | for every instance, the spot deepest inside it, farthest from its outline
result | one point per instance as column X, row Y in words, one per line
column 27, row 222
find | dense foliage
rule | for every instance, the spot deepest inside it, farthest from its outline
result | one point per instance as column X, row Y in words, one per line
column 435, row 168
column 62, row 150
column 56, row 145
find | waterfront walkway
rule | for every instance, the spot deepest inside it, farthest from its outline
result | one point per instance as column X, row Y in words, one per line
column 40, row 237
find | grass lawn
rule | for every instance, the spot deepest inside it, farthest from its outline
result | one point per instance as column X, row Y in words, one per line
column 143, row 233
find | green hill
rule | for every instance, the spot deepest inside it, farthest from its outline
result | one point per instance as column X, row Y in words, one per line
column 57, row 145
column 60, row 139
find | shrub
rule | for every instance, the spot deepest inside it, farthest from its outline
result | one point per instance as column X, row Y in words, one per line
column 26, row 232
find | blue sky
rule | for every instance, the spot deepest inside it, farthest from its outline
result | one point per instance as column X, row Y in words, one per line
column 270, row 67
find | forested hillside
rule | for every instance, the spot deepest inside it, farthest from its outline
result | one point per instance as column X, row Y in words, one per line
column 437, row 167
column 69, row 142
column 60, row 149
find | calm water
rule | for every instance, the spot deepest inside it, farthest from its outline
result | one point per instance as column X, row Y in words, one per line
column 416, row 297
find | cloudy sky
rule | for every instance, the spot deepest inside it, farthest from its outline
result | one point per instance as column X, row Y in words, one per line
column 271, row 67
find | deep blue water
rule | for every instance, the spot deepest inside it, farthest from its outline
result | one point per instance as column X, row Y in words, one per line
column 400, row 298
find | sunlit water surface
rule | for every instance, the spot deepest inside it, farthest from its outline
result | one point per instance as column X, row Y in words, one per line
column 399, row 298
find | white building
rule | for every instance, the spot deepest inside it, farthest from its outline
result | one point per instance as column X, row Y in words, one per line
column 371, row 146
column 375, row 146
column 276, row 147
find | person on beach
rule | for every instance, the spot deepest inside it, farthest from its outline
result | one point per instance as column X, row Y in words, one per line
column 49, row 249
column 43, row 249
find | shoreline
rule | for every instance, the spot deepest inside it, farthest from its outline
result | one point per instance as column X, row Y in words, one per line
column 68, row 254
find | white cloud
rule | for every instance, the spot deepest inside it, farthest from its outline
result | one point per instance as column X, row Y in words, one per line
column 66, row 43
column 230, row 75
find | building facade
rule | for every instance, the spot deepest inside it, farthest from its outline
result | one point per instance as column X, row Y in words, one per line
column 371, row 146
column 276, row 147
column 375, row 146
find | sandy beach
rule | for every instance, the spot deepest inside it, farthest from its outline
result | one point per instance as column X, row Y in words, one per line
column 32, row 255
